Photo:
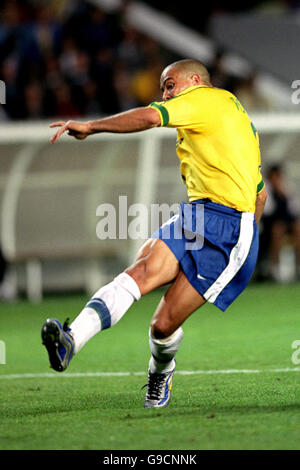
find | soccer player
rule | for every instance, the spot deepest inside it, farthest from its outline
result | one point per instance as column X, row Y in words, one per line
column 218, row 149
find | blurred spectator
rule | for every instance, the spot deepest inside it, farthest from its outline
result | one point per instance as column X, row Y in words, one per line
column 101, row 30
column 46, row 28
column 280, row 222
column 53, row 73
column 102, row 72
column 68, row 56
column 129, row 50
column 64, row 103
column 34, row 101
column 220, row 78
column 122, row 84
column 247, row 93
column 91, row 105
column 145, row 83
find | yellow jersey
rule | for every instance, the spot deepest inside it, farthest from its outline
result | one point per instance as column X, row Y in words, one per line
column 217, row 144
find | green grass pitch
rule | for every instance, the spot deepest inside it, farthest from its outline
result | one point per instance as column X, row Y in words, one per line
column 236, row 386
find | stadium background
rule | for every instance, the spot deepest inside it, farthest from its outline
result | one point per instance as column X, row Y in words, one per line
column 82, row 59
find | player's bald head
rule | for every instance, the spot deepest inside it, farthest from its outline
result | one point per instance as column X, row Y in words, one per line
column 188, row 67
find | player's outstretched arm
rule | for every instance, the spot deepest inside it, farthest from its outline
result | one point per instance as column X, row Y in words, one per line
column 134, row 120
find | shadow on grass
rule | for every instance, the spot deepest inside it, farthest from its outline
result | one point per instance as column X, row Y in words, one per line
column 130, row 407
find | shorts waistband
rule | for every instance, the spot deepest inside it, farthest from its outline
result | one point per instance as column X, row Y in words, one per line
column 218, row 207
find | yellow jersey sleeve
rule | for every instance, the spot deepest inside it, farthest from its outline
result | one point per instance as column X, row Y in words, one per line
column 180, row 111
column 260, row 184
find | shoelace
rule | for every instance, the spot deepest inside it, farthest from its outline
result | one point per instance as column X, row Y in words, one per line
column 155, row 384
column 67, row 329
column 66, row 325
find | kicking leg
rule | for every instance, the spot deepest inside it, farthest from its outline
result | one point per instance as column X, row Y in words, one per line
column 155, row 266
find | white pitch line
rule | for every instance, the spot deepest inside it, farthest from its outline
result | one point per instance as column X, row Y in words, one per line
column 52, row 375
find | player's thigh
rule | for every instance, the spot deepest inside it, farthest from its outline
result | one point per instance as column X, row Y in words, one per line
column 145, row 249
column 179, row 302
column 155, row 266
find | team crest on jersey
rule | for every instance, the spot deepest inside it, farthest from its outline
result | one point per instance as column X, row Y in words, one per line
column 179, row 142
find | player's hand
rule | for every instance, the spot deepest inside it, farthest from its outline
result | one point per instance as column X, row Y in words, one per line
column 76, row 129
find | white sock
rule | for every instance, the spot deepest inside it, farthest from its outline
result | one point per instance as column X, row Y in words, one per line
column 164, row 351
column 105, row 309
column 84, row 327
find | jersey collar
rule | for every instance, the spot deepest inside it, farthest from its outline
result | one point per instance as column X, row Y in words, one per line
column 190, row 88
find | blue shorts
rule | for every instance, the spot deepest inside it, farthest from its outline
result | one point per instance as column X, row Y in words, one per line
column 216, row 247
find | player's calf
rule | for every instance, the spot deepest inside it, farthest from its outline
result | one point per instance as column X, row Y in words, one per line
column 161, row 369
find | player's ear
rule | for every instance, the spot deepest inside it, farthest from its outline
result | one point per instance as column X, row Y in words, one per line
column 196, row 79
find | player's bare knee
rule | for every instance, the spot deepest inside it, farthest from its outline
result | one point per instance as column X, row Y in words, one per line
column 161, row 328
